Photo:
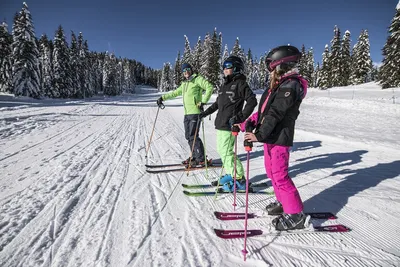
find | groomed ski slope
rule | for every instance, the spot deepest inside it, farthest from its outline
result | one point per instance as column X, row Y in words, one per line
column 74, row 190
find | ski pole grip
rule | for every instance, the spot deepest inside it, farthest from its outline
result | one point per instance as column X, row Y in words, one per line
column 235, row 130
column 248, row 145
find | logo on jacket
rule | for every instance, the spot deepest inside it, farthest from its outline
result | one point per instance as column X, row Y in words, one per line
column 287, row 94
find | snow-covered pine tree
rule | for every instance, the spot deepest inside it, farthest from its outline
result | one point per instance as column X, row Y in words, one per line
column 225, row 54
column 120, row 76
column 390, row 70
column 196, row 55
column 46, row 68
column 253, row 78
column 207, row 53
column 110, row 82
column 346, row 59
column 323, row 80
column 315, row 76
column 309, row 67
column 5, row 59
column 362, row 63
column 303, row 61
column 166, row 78
column 264, row 73
column 61, row 65
column 25, row 70
column 187, row 52
column 215, row 64
column 335, row 60
column 75, row 66
column 178, row 70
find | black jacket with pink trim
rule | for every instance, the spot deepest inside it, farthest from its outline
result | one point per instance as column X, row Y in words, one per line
column 276, row 122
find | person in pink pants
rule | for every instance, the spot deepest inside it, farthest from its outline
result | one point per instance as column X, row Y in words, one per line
column 273, row 124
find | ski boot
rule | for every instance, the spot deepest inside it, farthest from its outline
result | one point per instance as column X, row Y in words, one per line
column 222, row 180
column 274, row 208
column 286, row 222
column 240, row 185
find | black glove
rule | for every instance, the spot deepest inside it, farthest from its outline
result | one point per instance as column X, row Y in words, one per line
column 159, row 101
column 250, row 126
column 232, row 121
column 202, row 115
column 201, row 107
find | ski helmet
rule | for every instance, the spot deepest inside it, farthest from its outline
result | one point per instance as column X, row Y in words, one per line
column 186, row 66
column 234, row 61
column 285, row 56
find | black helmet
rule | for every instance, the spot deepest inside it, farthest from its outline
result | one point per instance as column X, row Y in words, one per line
column 237, row 63
column 286, row 56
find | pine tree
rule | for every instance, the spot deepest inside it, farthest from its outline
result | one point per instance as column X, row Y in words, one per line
column 110, row 78
column 264, row 73
column 75, row 66
column 225, row 54
column 46, row 67
column 345, row 70
column 303, row 61
column 5, row 59
column 335, row 59
column 309, row 66
column 178, row 70
column 315, row 77
column 323, row 80
column 197, row 59
column 362, row 63
column 61, row 65
column 390, row 70
column 25, row 70
column 187, row 52
column 166, row 78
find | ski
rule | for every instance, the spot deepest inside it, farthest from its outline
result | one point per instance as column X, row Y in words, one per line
column 211, row 185
column 230, row 234
column 220, row 191
column 181, row 169
column 156, row 166
column 230, row 216
column 164, row 165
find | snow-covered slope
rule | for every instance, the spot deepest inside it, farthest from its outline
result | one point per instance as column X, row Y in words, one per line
column 74, row 190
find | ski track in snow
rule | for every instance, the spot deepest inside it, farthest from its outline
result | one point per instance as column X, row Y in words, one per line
column 74, row 191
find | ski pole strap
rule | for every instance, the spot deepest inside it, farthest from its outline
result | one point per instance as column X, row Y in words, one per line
column 162, row 106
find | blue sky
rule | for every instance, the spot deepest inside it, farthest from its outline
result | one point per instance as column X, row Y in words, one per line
column 151, row 31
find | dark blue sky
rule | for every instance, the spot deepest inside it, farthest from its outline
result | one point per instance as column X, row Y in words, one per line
column 151, row 31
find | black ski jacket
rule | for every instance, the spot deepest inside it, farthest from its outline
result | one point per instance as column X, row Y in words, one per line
column 276, row 123
column 230, row 101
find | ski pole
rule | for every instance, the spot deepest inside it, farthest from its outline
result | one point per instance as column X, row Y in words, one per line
column 161, row 106
column 248, row 147
column 194, row 142
column 204, row 143
column 235, row 132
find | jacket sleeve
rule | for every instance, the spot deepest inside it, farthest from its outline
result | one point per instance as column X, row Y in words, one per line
column 251, row 101
column 285, row 98
column 206, row 86
column 173, row 94
column 211, row 109
column 253, row 118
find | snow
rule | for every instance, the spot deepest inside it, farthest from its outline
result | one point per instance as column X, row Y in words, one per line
column 74, row 191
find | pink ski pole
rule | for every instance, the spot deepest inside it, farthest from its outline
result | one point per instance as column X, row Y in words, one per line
column 235, row 132
column 248, row 147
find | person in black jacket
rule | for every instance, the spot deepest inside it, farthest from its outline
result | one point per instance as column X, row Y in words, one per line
column 274, row 125
column 230, row 101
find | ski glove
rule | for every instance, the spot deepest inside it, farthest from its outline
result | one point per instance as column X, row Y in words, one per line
column 235, row 120
column 159, row 101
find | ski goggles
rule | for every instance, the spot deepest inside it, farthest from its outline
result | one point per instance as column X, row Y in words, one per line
column 186, row 69
column 227, row 65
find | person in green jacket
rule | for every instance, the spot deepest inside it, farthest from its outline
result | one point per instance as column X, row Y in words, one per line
column 193, row 100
